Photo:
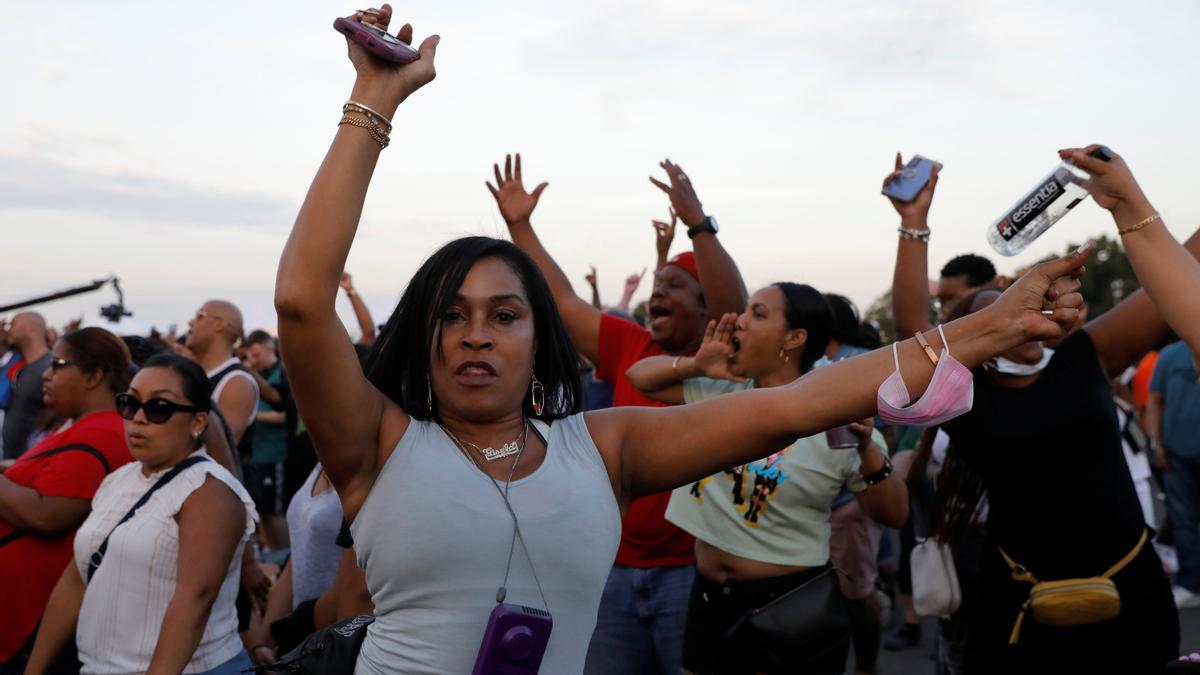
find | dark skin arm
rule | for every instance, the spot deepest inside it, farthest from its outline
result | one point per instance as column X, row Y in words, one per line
column 211, row 523
column 591, row 279
column 366, row 325
column 26, row 509
column 358, row 427
column 516, row 206
column 886, row 502
column 1125, row 333
column 910, row 280
column 720, row 280
column 58, row 622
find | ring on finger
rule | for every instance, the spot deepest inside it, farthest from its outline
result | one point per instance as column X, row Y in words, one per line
column 683, row 176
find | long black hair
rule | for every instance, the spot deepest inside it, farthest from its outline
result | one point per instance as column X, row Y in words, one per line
column 805, row 308
column 399, row 362
column 960, row 488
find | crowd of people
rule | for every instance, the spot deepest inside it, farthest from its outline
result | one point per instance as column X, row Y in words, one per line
column 711, row 482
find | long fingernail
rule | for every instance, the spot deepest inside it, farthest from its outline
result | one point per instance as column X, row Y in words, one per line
column 1084, row 247
column 1047, row 312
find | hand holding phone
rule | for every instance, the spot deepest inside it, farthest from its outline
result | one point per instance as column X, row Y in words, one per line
column 377, row 41
column 911, row 179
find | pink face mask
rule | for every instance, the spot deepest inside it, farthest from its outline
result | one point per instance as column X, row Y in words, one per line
column 951, row 393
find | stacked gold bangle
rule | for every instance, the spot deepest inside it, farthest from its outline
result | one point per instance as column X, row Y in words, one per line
column 359, row 115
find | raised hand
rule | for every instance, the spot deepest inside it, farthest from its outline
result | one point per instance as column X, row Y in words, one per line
column 717, row 350
column 664, row 234
column 384, row 84
column 1112, row 184
column 633, row 281
column 516, row 205
column 683, row 196
column 591, row 276
column 1044, row 303
column 918, row 209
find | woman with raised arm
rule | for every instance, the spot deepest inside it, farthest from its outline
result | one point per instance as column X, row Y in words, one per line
column 763, row 528
column 465, row 432
column 1043, row 443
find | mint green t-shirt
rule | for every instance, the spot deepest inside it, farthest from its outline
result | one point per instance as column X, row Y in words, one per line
column 774, row 510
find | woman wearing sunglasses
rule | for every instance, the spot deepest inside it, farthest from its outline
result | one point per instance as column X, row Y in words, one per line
column 154, row 581
column 46, row 494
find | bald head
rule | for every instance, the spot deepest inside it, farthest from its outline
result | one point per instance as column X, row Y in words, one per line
column 28, row 331
column 215, row 329
column 229, row 313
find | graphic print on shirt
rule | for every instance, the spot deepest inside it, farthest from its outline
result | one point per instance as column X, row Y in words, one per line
column 767, row 479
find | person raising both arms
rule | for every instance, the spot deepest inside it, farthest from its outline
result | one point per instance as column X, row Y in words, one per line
column 655, row 557
column 473, row 383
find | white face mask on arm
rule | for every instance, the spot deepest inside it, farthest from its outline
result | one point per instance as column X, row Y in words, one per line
column 1010, row 367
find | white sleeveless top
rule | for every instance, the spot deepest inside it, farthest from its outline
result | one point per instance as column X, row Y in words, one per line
column 433, row 537
column 125, row 602
column 313, row 527
column 237, row 372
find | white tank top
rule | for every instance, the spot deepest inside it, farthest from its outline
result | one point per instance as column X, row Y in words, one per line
column 124, row 604
column 237, row 372
column 433, row 537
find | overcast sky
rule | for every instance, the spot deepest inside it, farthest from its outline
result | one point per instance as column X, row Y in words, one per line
column 171, row 143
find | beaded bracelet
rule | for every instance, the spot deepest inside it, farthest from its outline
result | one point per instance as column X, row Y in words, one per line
column 916, row 235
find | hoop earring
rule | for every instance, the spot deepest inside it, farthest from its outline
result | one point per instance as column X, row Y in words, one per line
column 784, row 355
column 428, row 393
column 537, row 396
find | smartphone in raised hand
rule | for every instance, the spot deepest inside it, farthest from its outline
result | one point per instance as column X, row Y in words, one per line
column 377, row 41
column 913, row 177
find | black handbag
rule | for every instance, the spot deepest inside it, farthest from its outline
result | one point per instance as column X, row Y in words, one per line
column 333, row 649
column 801, row 626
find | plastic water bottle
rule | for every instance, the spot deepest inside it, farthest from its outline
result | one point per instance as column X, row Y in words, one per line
column 1054, row 196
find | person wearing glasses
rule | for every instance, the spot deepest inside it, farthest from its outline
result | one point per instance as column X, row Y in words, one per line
column 153, row 592
column 213, row 335
column 46, row 493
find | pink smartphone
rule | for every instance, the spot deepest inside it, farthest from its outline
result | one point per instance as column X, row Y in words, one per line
column 378, row 42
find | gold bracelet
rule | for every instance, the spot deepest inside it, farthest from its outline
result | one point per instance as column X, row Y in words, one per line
column 355, row 105
column 378, row 135
column 1140, row 224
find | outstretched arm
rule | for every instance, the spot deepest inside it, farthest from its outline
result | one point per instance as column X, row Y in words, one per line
column 344, row 414
column 516, row 206
column 661, row 377
column 366, row 326
column 1168, row 271
column 910, row 281
column 720, row 280
column 649, row 450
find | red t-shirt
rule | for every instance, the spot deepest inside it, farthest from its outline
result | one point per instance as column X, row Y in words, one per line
column 31, row 565
column 647, row 539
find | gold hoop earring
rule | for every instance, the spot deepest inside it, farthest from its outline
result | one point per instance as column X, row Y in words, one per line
column 783, row 355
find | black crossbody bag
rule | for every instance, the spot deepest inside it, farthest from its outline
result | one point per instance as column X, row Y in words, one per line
column 801, row 626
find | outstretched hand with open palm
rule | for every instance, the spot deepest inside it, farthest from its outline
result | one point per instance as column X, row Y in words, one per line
column 516, row 205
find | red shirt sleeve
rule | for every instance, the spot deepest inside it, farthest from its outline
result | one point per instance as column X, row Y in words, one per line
column 619, row 339
column 77, row 474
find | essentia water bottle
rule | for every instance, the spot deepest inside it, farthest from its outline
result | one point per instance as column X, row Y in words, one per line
column 1054, row 196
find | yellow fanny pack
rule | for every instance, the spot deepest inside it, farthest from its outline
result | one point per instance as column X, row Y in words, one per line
column 1071, row 602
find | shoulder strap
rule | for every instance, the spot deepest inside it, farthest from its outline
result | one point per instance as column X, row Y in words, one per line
column 216, row 379
column 80, row 447
column 98, row 556
column 1128, row 556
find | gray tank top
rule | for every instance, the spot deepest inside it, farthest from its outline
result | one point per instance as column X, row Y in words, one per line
column 313, row 526
column 433, row 537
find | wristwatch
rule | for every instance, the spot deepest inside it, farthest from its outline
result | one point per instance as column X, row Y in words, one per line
column 709, row 224
column 880, row 475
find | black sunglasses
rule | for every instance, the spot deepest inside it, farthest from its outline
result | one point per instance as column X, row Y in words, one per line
column 158, row 410
column 58, row 363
